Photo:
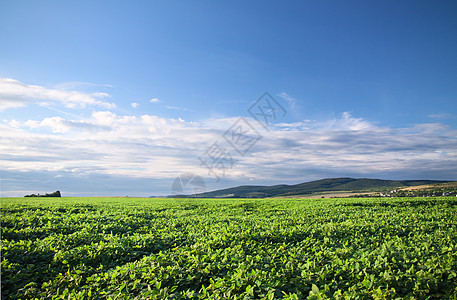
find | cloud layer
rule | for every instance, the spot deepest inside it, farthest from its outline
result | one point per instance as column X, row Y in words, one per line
column 153, row 147
column 109, row 147
column 14, row 93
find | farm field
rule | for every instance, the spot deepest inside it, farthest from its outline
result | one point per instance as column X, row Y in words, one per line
column 127, row 248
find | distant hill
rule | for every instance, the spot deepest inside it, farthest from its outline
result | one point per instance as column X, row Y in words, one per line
column 312, row 187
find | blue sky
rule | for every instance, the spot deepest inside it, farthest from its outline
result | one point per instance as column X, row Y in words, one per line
column 120, row 98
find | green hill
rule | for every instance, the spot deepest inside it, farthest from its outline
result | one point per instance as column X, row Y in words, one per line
column 308, row 188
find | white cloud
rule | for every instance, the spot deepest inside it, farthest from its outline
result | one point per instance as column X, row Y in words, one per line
column 80, row 84
column 154, row 147
column 288, row 98
column 15, row 124
column 154, row 100
column 347, row 122
column 105, row 118
column 134, row 104
column 178, row 108
column 233, row 101
column 14, row 94
column 442, row 116
column 7, row 102
column 60, row 125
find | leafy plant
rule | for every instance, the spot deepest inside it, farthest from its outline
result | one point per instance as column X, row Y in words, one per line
column 129, row 248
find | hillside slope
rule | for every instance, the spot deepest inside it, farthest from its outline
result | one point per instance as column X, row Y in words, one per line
column 307, row 188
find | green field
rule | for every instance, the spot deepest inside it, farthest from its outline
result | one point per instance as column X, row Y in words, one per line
column 127, row 248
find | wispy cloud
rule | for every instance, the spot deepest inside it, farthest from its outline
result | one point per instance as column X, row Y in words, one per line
column 178, row 108
column 233, row 101
column 442, row 116
column 134, row 104
column 154, row 100
column 288, row 98
column 75, row 85
column 120, row 145
column 153, row 147
column 12, row 123
column 347, row 122
column 60, row 125
column 14, row 94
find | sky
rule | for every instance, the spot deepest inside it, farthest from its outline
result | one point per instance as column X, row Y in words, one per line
column 137, row 98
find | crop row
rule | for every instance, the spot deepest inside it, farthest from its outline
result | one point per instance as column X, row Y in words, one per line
column 237, row 249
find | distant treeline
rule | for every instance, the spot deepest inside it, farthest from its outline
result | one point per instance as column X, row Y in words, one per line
column 55, row 194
